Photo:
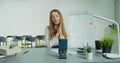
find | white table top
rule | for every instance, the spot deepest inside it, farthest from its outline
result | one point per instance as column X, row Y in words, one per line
column 44, row 55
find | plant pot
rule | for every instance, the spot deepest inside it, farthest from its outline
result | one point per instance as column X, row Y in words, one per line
column 89, row 56
column 97, row 45
column 106, row 49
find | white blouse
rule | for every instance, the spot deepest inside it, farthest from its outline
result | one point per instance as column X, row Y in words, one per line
column 53, row 41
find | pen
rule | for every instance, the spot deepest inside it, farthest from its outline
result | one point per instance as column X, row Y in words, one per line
column 25, row 52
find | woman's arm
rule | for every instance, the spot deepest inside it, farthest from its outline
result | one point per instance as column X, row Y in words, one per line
column 52, row 42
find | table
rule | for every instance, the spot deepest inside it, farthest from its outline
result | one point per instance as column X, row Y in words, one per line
column 44, row 55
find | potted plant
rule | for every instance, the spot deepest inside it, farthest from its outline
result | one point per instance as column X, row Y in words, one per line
column 107, row 43
column 89, row 53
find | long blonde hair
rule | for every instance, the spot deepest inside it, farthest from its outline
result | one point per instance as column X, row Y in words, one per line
column 52, row 30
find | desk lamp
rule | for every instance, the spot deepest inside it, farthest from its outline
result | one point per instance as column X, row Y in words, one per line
column 111, row 55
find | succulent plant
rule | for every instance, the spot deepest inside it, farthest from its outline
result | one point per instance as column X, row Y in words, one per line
column 88, row 48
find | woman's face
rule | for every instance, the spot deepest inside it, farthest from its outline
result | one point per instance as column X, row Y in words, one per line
column 55, row 18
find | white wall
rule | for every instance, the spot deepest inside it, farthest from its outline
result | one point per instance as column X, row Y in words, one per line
column 103, row 8
column 29, row 17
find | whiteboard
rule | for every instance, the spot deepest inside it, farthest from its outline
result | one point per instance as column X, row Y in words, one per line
column 81, row 30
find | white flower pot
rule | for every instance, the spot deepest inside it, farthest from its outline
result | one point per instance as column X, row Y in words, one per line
column 89, row 56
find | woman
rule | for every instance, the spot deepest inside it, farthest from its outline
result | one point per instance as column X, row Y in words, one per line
column 55, row 30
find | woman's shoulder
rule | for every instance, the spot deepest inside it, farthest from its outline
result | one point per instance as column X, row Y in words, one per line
column 47, row 27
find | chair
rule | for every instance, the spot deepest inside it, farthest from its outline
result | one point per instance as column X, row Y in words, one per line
column 24, row 42
column 40, row 40
column 40, row 37
column 10, row 40
column 31, row 41
column 19, row 40
column 2, row 41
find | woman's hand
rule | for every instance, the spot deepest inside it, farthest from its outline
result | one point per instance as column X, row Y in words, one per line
column 59, row 32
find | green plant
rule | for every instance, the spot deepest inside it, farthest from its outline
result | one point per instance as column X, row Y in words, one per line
column 88, row 48
column 107, row 41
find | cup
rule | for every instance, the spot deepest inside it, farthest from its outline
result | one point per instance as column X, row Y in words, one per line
column 62, row 48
